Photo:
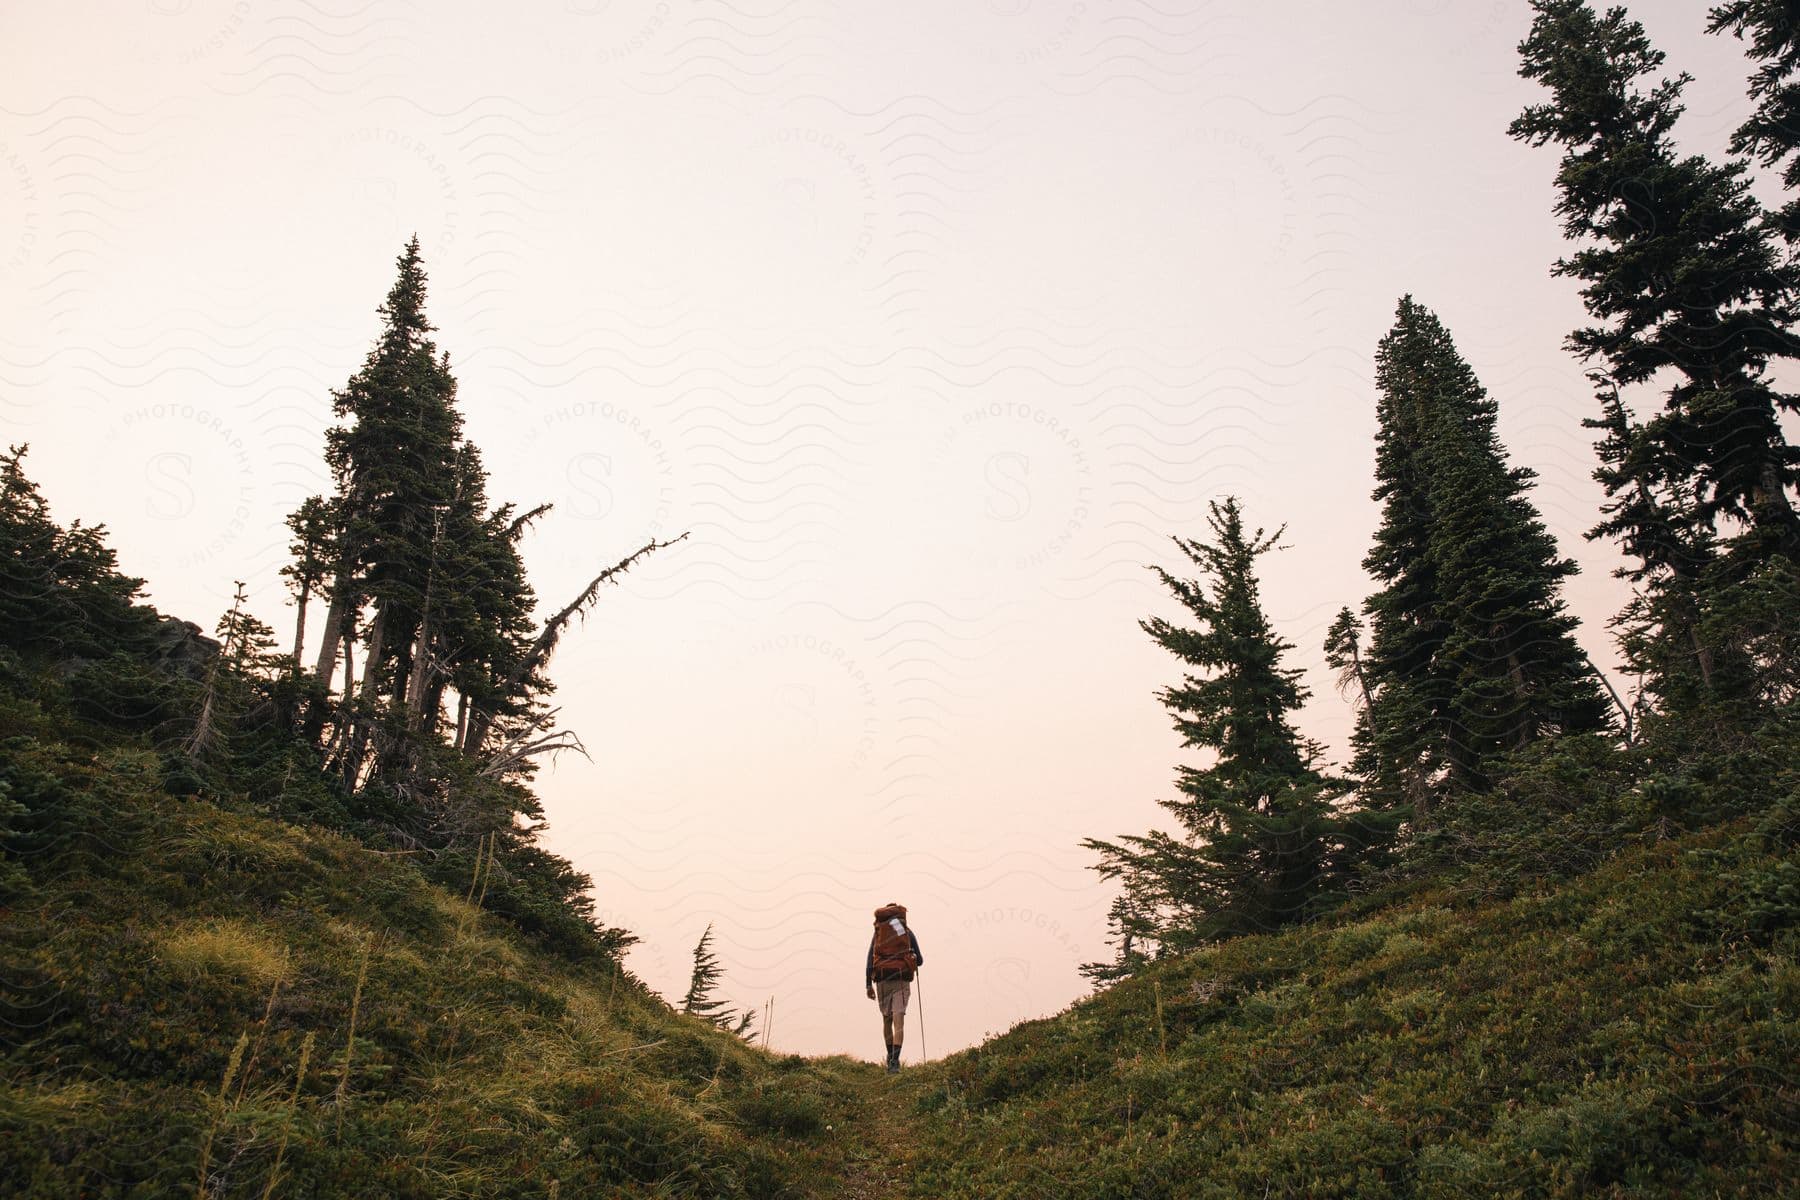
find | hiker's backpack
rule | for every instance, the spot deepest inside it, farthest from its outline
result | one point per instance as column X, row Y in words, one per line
column 893, row 946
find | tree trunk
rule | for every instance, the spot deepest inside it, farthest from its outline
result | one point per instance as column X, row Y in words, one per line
column 300, row 624
column 340, row 730
column 432, row 708
column 477, row 732
column 1702, row 655
column 356, row 745
column 413, row 698
column 1618, row 701
column 334, row 635
column 371, row 681
column 340, row 613
column 1527, row 718
column 1773, row 508
column 1362, row 678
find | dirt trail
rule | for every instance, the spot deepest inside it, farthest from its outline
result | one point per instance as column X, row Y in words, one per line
column 875, row 1165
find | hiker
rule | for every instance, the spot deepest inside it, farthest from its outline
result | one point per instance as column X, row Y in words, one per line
column 887, row 977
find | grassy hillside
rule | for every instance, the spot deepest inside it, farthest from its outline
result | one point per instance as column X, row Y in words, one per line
column 208, row 996
column 202, row 1000
column 224, row 973
column 1631, row 1031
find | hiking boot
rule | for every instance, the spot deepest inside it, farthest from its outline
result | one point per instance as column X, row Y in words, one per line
column 893, row 1063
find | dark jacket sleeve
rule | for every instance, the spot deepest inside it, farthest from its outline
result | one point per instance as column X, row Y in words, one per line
column 915, row 947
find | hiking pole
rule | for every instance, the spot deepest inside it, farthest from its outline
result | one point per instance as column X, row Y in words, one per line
column 919, row 975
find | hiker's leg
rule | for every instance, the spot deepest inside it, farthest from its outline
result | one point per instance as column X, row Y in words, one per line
column 898, row 1021
column 887, row 1028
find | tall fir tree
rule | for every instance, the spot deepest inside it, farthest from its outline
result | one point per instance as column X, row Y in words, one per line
column 1763, row 615
column 1471, row 653
column 1681, row 270
column 1772, row 133
column 415, row 569
column 1664, row 630
column 395, row 461
column 425, row 579
column 1262, row 843
column 395, row 456
column 1687, row 279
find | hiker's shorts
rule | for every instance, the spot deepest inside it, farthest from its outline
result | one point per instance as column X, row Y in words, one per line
column 891, row 996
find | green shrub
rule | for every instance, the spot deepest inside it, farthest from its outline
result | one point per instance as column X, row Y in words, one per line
column 783, row 1107
column 125, row 692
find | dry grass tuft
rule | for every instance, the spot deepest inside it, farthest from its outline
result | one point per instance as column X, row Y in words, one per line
column 215, row 948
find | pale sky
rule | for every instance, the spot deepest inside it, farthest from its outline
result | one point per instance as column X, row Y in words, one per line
column 930, row 321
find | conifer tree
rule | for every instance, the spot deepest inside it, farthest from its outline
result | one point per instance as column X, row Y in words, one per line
column 246, row 656
column 1261, row 843
column 424, row 578
column 1343, row 654
column 1471, row 653
column 1681, row 270
column 397, row 465
column 1132, row 932
column 1663, row 630
column 61, row 592
column 1685, row 277
column 1772, row 134
column 309, row 564
column 414, row 566
column 700, row 1001
column 1761, row 616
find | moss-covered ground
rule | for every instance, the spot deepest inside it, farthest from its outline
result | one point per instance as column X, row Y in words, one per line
column 203, row 999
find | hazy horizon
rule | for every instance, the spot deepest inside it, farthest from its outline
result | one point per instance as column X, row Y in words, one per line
column 930, row 325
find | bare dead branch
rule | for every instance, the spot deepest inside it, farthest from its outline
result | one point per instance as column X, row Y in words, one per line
column 529, row 744
column 545, row 645
column 1618, row 701
column 524, row 520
